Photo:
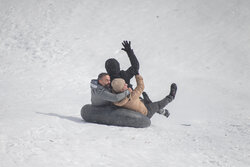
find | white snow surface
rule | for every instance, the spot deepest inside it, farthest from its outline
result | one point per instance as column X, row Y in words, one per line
column 51, row 49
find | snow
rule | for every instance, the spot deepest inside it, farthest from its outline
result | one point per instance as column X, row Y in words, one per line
column 50, row 50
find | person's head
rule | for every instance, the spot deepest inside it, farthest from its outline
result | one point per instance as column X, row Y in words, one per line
column 119, row 85
column 112, row 66
column 104, row 79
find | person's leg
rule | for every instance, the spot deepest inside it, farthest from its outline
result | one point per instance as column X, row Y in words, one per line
column 159, row 105
column 156, row 106
column 146, row 99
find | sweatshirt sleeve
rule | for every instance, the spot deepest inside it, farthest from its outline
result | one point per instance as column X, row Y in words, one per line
column 133, row 69
column 122, row 102
column 136, row 93
column 112, row 97
column 133, row 60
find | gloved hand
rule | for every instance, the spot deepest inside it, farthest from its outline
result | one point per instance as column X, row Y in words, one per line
column 127, row 47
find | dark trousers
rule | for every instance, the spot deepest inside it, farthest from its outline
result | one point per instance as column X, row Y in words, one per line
column 154, row 107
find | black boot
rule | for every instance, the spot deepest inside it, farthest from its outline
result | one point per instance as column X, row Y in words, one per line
column 173, row 90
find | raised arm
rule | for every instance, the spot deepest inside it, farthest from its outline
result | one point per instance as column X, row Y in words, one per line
column 133, row 60
column 136, row 93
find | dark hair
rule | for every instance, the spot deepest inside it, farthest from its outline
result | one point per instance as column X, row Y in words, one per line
column 101, row 75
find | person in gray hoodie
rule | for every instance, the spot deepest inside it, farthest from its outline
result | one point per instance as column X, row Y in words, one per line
column 101, row 94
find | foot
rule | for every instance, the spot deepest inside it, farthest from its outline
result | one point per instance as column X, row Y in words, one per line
column 146, row 98
column 164, row 112
column 173, row 89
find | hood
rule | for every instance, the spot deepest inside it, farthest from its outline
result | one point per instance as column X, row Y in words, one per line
column 112, row 66
column 93, row 83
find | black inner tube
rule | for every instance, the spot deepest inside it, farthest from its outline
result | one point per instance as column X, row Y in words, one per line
column 110, row 115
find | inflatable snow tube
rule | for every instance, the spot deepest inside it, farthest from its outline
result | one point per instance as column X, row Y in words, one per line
column 110, row 115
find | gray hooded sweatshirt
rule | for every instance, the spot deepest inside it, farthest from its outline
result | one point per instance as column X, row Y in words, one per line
column 102, row 96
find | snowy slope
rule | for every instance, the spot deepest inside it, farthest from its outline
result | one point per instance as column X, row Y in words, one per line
column 50, row 50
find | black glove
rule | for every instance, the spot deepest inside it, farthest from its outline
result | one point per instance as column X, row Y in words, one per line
column 127, row 47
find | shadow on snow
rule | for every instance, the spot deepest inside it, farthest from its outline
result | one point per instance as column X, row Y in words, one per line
column 70, row 118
